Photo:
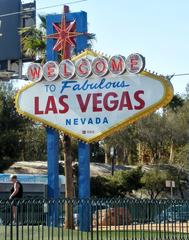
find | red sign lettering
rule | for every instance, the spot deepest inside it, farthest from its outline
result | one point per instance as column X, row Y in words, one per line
column 96, row 102
column 63, row 104
column 83, row 104
column 110, row 105
column 139, row 100
column 36, row 106
column 51, row 105
column 35, row 72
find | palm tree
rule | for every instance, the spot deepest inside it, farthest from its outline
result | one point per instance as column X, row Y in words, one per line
column 33, row 41
column 69, row 186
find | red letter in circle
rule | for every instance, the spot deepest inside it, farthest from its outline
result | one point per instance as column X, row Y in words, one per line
column 135, row 63
column 66, row 69
column 117, row 64
column 83, row 68
column 35, row 72
column 50, row 71
column 100, row 66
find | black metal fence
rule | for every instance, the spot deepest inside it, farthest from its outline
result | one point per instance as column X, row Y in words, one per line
column 94, row 219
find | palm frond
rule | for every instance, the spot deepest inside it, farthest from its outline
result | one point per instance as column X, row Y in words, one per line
column 33, row 42
column 91, row 37
column 42, row 21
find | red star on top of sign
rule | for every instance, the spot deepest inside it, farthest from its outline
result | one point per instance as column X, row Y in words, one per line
column 65, row 36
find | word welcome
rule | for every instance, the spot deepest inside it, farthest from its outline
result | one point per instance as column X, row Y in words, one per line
column 84, row 67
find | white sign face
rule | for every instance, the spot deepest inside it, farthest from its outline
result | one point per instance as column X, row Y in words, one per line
column 92, row 108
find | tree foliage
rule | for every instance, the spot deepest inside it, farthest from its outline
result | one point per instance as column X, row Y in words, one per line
column 150, row 182
column 20, row 139
column 10, row 126
column 154, row 182
column 161, row 137
column 127, row 181
column 122, row 183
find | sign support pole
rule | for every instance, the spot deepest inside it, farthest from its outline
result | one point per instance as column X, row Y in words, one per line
column 52, row 148
column 53, row 167
column 83, row 148
column 84, row 184
column 52, row 135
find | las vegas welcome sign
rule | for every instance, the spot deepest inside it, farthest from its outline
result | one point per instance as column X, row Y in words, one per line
column 90, row 96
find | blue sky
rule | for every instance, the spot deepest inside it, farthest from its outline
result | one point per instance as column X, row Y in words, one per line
column 159, row 30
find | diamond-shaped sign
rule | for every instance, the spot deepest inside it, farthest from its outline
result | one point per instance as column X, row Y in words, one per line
column 93, row 108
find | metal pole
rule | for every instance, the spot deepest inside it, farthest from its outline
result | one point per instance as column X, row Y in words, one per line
column 84, row 185
column 112, row 155
column 171, row 189
column 83, row 148
column 20, row 68
column 52, row 143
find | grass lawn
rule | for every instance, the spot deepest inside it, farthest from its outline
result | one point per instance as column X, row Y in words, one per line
column 45, row 233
